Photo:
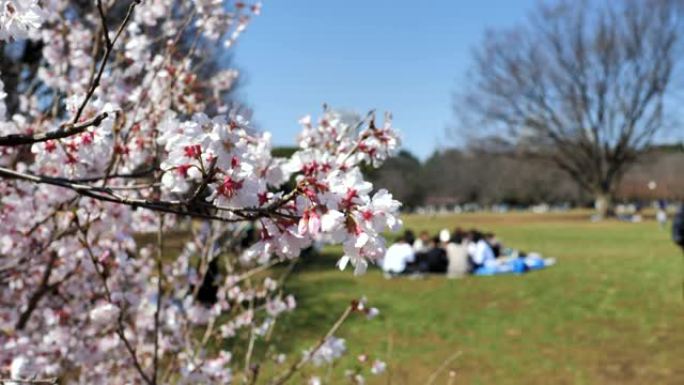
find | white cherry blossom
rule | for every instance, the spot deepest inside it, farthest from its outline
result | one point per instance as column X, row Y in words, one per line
column 111, row 162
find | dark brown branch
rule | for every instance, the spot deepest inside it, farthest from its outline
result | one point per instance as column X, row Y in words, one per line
column 120, row 331
column 132, row 175
column 182, row 208
column 43, row 288
column 65, row 131
column 109, row 46
column 160, row 289
column 45, row 381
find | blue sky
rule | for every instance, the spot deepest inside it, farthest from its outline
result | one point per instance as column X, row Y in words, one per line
column 407, row 57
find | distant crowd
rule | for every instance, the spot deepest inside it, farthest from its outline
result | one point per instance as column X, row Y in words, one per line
column 456, row 254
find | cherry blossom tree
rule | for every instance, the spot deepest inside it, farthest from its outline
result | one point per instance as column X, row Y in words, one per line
column 111, row 139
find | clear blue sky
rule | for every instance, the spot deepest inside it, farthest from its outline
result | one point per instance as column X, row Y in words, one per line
column 407, row 57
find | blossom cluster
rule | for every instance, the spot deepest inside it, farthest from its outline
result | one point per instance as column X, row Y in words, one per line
column 19, row 19
column 331, row 350
column 110, row 141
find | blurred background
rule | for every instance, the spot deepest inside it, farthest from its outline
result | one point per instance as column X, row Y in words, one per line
column 555, row 125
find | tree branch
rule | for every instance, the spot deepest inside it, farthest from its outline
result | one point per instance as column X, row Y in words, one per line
column 43, row 289
column 108, row 50
column 172, row 207
column 66, row 130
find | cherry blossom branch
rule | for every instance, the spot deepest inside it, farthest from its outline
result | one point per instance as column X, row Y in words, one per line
column 43, row 288
column 157, row 311
column 132, row 175
column 172, row 207
column 370, row 118
column 206, row 257
column 9, row 267
column 162, row 92
column 46, row 381
column 52, row 215
column 281, row 284
column 255, row 271
column 120, row 326
column 66, row 130
column 109, row 46
column 307, row 357
column 208, row 176
column 248, row 373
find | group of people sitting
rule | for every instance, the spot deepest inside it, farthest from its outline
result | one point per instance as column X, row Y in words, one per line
column 456, row 255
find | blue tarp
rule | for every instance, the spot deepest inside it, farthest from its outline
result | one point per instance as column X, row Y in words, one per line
column 515, row 265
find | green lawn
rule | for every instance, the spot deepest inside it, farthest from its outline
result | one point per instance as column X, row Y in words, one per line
column 610, row 312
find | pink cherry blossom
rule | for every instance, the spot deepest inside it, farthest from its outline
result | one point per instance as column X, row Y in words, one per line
column 126, row 179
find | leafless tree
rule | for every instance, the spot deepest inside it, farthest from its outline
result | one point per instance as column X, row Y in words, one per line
column 585, row 85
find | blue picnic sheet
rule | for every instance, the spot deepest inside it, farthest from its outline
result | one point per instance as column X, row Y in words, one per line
column 515, row 265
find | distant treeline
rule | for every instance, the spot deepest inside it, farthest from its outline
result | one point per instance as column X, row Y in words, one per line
column 491, row 177
column 492, row 174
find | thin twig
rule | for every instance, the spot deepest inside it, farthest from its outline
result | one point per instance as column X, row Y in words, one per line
column 433, row 376
column 43, row 288
column 252, row 339
column 157, row 312
column 132, row 175
column 108, row 50
column 307, row 357
column 120, row 326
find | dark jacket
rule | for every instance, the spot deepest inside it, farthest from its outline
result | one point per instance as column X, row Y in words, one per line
column 435, row 261
column 678, row 227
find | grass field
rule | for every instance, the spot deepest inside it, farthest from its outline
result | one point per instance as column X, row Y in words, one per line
column 610, row 312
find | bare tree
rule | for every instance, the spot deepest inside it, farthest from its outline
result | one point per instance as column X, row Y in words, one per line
column 584, row 85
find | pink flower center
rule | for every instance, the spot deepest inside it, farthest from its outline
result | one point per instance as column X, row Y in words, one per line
column 50, row 146
column 349, row 197
column 192, row 151
column 183, row 169
column 367, row 215
column 229, row 187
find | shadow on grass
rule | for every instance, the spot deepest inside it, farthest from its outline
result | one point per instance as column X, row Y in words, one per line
column 318, row 261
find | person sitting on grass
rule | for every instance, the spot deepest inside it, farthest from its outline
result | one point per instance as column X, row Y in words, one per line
column 457, row 253
column 494, row 243
column 479, row 250
column 434, row 260
column 399, row 255
column 422, row 244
